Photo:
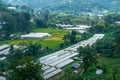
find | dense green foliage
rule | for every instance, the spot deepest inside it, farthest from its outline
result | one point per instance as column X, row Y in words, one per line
column 22, row 64
column 70, row 38
column 106, row 24
column 24, row 69
column 13, row 22
column 89, row 57
column 105, row 54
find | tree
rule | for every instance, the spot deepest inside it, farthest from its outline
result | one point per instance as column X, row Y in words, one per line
column 23, row 22
column 34, row 49
column 26, row 69
column 117, row 40
column 46, row 17
column 9, row 25
column 106, row 45
column 111, row 18
column 61, row 45
column 13, row 22
column 73, row 37
column 40, row 23
column 70, row 38
column 16, row 54
column 11, row 51
column 66, row 39
column 89, row 57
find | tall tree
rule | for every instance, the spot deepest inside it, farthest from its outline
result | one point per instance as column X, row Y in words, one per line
column 34, row 49
column 117, row 39
column 73, row 37
column 66, row 39
column 89, row 57
column 9, row 24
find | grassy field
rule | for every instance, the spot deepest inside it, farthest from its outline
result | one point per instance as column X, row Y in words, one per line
column 51, row 42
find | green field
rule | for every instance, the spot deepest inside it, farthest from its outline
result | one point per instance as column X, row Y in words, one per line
column 51, row 42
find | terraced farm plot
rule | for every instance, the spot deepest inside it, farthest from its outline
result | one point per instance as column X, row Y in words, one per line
column 51, row 42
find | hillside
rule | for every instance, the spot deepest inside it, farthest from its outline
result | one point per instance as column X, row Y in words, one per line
column 72, row 5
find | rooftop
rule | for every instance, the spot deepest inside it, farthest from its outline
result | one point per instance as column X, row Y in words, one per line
column 4, row 46
column 2, row 78
column 99, row 71
column 35, row 35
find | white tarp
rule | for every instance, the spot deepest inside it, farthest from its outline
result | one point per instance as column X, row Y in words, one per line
column 2, row 58
column 2, row 78
column 49, row 70
column 35, row 35
column 66, row 62
column 52, row 74
column 5, row 52
column 4, row 46
column 46, row 67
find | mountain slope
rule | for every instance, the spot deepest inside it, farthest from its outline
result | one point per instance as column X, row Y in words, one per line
column 71, row 5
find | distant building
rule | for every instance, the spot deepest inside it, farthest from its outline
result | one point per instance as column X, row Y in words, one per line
column 12, row 8
column 75, row 66
column 78, row 28
column 64, row 25
column 117, row 22
column 35, row 36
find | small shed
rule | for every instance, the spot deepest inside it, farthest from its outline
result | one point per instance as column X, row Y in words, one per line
column 99, row 71
column 75, row 66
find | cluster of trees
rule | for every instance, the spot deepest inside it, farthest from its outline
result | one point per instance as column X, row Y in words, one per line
column 69, row 39
column 104, row 55
column 89, row 57
column 33, row 49
column 109, row 48
column 25, row 69
column 13, row 22
column 110, row 42
column 20, row 22
column 22, row 63
column 106, row 24
column 117, row 39
column 106, row 46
